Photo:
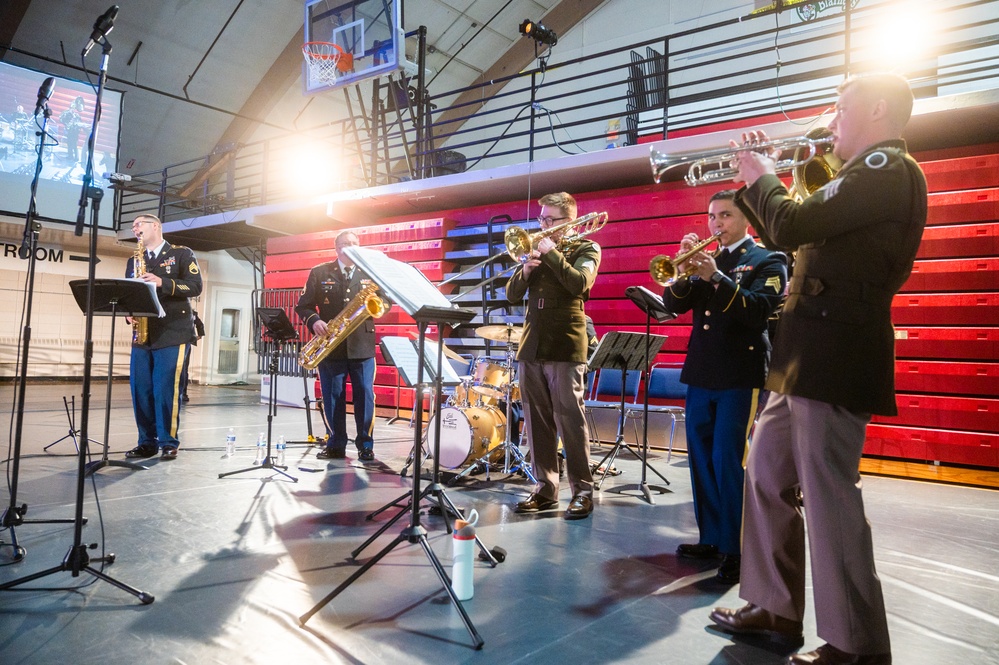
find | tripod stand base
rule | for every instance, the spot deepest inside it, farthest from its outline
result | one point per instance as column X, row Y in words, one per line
column 101, row 463
column 266, row 464
column 78, row 561
column 412, row 534
column 643, row 488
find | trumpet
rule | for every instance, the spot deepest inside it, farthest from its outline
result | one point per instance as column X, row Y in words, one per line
column 519, row 243
column 664, row 270
column 814, row 145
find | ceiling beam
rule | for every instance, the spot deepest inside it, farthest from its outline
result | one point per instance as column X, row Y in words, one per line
column 563, row 17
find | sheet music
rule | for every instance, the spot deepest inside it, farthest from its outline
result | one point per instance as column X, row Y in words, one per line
column 152, row 292
column 401, row 282
column 402, row 352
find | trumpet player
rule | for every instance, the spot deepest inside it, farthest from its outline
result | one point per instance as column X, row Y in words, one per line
column 330, row 287
column 833, row 367
column 731, row 296
column 552, row 355
column 156, row 362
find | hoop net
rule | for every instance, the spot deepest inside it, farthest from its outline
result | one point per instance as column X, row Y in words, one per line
column 322, row 59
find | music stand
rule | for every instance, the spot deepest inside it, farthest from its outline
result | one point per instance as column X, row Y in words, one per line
column 405, row 285
column 627, row 352
column 280, row 329
column 111, row 297
column 654, row 308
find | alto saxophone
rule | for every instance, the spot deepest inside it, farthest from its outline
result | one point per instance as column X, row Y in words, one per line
column 365, row 304
column 140, row 324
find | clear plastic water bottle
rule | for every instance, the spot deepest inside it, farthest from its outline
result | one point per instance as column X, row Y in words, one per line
column 464, row 546
column 280, row 450
column 261, row 449
column 230, row 443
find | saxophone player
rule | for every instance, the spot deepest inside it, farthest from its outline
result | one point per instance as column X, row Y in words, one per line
column 330, row 287
column 156, row 360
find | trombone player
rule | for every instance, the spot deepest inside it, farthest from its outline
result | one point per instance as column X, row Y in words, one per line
column 556, row 279
column 731, row 294
column 833, row 367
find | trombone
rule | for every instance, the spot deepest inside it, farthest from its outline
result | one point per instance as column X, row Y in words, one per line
column 665, row 271
column 814, row 145
column 519, row 243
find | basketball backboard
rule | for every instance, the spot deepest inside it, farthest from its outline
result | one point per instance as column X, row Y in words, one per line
column 368, row 31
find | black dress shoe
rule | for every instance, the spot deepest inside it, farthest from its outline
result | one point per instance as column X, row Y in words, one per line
column 753, row 620
column 169, row 453
column 579, row 508
column 535, row 503
column 728, row 571
column 827, row 654
column 697, row 551
column 143, row 452
column 366, row 455
column 331, row 453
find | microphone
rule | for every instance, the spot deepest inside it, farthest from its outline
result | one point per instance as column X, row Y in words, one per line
column 44, row 93
column 102, row 26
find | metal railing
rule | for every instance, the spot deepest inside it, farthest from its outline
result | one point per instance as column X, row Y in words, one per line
column 707, row 75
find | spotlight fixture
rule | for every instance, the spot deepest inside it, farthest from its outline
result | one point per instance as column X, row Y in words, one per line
column 538, row 32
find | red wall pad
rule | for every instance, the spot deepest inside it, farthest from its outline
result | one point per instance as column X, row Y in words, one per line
column 947, row 377
column 423, row 229
column 958, row 241
column 947, row 343
column 954, row 275
column 964, row 173
column 965, row 413
column 971, row 309
column 427, row 250
column 977, row 205
column 933, row 445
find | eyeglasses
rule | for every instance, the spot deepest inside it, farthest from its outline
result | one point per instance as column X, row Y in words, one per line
column 550, row 220
column 137, row 223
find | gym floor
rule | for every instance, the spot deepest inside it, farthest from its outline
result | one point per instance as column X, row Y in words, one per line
column 234, row 562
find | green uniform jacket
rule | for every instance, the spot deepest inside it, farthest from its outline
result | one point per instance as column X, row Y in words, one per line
column 555, row 326
column 856, row 239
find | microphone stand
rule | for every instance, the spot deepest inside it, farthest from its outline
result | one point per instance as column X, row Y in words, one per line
column 13, row 516
column 77, row 560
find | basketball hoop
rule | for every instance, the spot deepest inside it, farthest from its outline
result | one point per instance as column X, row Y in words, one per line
column 325, row 61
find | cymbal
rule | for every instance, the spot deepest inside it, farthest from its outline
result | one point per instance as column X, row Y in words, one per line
column 501, row 333
column 448, row 353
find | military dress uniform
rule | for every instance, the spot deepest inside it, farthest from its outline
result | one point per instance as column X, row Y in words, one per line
column 552, row 357
column 832, row 367
column 157, row 365
column 725, row 368
column 329, row 289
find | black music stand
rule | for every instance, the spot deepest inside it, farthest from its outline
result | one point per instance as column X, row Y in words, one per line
column 654, row 308
column 114, row 297
column 405, row 285
column 280, row 330
column 627, row 352
column 402, row 352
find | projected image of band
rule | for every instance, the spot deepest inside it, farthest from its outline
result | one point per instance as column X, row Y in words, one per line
column 71, row 114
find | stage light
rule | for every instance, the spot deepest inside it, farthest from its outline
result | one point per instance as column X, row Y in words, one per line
column 307, row 168
column 538, row 32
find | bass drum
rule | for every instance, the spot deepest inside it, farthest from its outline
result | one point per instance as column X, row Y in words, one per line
column 467, row 434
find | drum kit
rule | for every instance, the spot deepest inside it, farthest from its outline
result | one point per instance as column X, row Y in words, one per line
column 473, row 422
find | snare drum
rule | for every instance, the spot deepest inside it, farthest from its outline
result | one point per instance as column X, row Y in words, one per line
column 490, row 379
column 467, row 434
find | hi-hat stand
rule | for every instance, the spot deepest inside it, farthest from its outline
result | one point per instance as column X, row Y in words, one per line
column 280, row 330
column 512, row 456
column 13, row 516
column 77, row 559
column 420, row 299
column 626, row 352
column 111, row 297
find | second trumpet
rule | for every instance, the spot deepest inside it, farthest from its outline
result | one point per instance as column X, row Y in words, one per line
column 665, row 271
